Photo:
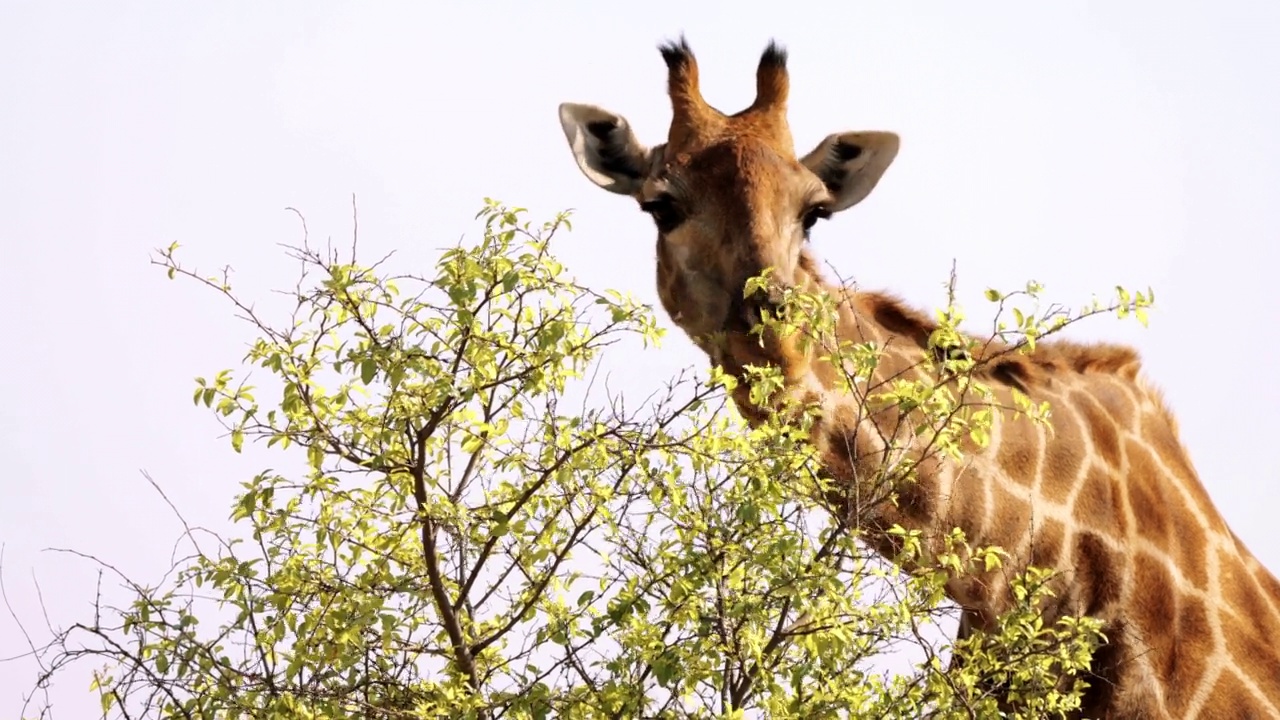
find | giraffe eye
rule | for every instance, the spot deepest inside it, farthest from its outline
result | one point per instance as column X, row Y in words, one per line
column 812, row 216
column 664, row 212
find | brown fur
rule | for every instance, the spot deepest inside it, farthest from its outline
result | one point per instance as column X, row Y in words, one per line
column 1106, row 496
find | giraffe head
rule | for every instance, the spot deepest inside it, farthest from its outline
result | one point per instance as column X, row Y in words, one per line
column 727, row 192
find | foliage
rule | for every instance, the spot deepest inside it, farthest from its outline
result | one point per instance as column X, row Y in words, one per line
column 475, row 530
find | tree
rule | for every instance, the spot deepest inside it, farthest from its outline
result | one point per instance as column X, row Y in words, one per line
column 476, row 530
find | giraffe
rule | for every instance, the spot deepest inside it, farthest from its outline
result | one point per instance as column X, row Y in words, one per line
column 1106, row 496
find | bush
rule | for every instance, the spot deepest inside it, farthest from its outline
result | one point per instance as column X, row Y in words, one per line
column 478, row 531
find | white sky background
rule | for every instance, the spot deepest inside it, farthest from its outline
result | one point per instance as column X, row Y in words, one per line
column 1083, row 145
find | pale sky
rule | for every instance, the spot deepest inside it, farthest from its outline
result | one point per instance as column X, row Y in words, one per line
column 1080, row 144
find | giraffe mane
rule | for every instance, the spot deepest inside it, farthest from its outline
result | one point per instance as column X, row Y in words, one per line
column 1038, row 367
column 997, row 359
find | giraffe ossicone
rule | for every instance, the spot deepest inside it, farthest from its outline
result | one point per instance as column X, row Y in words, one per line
column 1106, row 495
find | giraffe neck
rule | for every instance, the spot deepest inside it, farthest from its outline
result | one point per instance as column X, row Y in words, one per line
column 1104, row 494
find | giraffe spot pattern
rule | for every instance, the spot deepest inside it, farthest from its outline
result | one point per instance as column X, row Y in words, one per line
column 1232, row 700
column 1019, row 450
column 1186, row 649
column 1104, row 430
column 1097, row 573
column 1063, row 456
column 1145, row 499
column 1096, row 503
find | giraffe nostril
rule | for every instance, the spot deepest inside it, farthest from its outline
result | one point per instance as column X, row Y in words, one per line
column 774, row 299
column 755, row 308
column 746, row 313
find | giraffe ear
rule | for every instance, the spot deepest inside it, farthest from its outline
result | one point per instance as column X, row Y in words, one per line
column 606, row 150
column 850, row 164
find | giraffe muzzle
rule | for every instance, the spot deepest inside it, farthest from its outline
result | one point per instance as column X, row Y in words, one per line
column 749, row 312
